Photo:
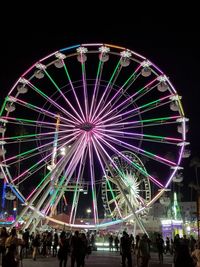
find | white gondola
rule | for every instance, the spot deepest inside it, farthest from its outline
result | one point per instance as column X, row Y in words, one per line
column 146, row 72
column 178, row 178
column 186, row 153
column 10, row 107
column 82, row 58
column 39, row 74
column 125, row 62
column 103, row 57
column 174, row 106
column 22, row 89
column 180, row 128
column 58, row 63
column 10, row 196
column 162, row 87
column 2, row 129
column 2, row 151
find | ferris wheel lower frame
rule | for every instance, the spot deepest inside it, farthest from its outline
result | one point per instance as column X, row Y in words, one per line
column 63, row 120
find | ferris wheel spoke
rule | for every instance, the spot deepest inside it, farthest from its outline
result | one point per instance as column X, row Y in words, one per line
column 107, row 88
column 123, row 93
column 73, row 90
column 134, row 164
column 77, row 156
column 40, row 110
column 152, row 104
column 138, row 150
column 27, row 152
column 144, row 137
column 92, row 177
column 100, row 155
column 85, row 89
column 136, row 111
column 25, row 137
column 127, row 99
column 54, row 103
column 33, row 123
column 143, row 123
column 28, row 170
column 96, row 87
column 76, row 192
column 66, row 177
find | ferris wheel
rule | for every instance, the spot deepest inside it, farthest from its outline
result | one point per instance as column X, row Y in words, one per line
column 65, row 118
column 134, row 190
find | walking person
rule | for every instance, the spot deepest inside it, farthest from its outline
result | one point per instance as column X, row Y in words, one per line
column 160, row 248
column 63, row 250
column 125, row 249
column 3, row 237
column 144, row 251
column 35, row 245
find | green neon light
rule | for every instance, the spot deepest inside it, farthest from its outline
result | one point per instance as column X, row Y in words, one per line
column 66, row 70
column 52, row 80
column 3, row 106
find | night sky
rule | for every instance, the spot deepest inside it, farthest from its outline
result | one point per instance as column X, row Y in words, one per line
column 170, row 43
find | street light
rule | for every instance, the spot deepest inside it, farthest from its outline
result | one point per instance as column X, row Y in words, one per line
column 88, row 212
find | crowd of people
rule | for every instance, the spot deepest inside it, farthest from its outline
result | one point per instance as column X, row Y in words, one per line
column 75, row 247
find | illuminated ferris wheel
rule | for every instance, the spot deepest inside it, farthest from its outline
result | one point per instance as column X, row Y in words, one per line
column 127, row 190
column 82, row 113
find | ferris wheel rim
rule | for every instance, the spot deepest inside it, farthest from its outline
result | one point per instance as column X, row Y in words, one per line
column 141, row 59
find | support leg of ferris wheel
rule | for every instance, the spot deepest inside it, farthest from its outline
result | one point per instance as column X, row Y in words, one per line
column 134, row 229
column 60, row 166
column 44, row 196
column 139, row 222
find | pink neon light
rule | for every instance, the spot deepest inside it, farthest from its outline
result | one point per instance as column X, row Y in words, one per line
column 119, row 153
column 139, row 149
column 102, row 167
column 59, row 107
column 112, row 97
column 125, row 101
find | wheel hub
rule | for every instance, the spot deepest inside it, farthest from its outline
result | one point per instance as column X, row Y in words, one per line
column 86, row 126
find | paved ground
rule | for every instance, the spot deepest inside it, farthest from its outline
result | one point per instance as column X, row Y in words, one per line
column 96, row 259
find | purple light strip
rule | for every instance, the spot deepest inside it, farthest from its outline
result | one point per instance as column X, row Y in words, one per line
column 105, row 91
column 77, row 181
column 50, row 143
column 84, row 87
column 73, row 90
column 38, row 109
column 49, row 174
column 114, row 97
column 128, row 160
column 139, row 150
column 39, row 122
column 142, row 135
column 93, row 44
column 133, row 122
column 128, row 112
column 94, row 200
column 103, row 169
column 98, row 77
column 125, row 101
column 56, row 104
column 26, row 171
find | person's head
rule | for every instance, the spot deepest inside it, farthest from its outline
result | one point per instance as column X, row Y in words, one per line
column 13, row 232
column 125, row 233
column 76, row 233
column 62, row 234
column 145, row 236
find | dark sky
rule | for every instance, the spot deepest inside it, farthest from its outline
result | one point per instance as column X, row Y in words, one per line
column 170, row 41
